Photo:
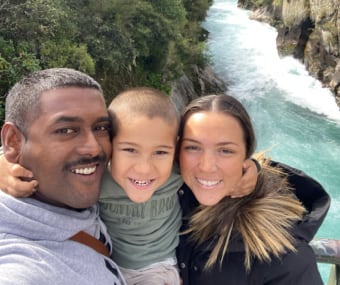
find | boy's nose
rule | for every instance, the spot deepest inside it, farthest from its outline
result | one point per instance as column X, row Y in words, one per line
column 143, row 166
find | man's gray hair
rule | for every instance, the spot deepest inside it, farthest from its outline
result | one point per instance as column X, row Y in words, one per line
column 23, row 100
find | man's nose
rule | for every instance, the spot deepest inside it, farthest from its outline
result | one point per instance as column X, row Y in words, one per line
column 89, row 145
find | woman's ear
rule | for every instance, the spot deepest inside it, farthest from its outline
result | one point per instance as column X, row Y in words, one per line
column 12, row 139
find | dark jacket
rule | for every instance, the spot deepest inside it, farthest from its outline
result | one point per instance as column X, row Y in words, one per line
column 297, row 268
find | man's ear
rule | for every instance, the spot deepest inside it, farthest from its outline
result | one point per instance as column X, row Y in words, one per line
column 12, row 139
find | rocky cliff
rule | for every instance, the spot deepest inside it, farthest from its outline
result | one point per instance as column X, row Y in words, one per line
column 200, row 82
column 307, row 29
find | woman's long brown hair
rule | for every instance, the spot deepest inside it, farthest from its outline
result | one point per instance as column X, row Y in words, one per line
column 264, row 219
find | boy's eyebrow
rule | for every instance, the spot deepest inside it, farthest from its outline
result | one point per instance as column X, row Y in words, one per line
column 135, row 144
column 166, row 146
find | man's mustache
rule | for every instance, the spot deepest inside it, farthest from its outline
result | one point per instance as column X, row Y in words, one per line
column 85, row 161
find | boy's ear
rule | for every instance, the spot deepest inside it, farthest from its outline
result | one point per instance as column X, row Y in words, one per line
column 12, row 140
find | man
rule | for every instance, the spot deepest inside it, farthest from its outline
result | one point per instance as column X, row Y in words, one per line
column 57, row 126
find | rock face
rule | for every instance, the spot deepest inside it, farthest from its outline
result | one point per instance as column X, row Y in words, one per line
column 199, row 83
column 309, row 30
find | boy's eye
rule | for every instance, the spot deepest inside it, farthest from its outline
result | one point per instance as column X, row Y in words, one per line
column 161, row 152
column 129, row 149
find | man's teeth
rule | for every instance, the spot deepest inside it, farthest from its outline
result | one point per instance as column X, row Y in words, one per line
column 209, row 183
column 84, row 171
column 141, row 182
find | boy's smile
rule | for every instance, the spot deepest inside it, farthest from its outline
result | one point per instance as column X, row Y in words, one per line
column 143, row 154
column 142, row 183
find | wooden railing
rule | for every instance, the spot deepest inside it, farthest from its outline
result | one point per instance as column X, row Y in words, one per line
column 328, row 251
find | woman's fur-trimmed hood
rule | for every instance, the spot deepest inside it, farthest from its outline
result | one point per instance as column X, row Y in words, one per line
column 264, row 219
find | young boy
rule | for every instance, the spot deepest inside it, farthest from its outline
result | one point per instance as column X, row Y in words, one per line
column 139, row 205
column 142, row 222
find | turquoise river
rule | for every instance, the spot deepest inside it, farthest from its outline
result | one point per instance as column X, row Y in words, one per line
column 296, row 119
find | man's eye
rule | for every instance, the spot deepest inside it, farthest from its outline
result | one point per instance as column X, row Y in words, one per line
column 103, row 128
column 65, row 131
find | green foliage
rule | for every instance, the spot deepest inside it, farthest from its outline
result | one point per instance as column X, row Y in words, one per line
column 277, row 3
column 2, row 111
column 14, row 64
column 197, row 9
column 105, row 37
column 122, row 43
column 67, row 54
column 260, row 3
column 35, row 20
column 173, row 10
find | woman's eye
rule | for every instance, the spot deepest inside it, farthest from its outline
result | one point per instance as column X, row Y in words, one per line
column 225, row 151
column 191, row 148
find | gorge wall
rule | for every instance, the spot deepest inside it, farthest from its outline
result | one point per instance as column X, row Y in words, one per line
column 307, row 29
column 200, row 82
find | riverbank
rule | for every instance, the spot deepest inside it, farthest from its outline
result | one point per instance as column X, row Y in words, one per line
column 200, row 82
column 308, row 30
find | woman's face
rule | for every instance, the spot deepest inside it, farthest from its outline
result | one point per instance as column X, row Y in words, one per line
column 212, row 155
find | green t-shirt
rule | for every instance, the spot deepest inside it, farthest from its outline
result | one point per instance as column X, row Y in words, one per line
column 142, row 233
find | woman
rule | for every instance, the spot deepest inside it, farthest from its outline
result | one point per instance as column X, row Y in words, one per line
column 258, row 239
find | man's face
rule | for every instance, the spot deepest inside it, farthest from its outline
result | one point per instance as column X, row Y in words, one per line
column 68, row 147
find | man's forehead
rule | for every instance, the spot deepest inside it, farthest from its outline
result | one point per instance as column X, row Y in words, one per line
column 73, row 104
column 72, row 98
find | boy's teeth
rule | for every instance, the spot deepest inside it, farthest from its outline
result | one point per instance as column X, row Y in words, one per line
column 141, row 182
column 84, row 171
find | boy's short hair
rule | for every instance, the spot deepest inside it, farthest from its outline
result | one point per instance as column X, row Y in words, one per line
column 144, row 101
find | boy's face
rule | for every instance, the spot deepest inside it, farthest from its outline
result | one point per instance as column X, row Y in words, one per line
column 143, row 154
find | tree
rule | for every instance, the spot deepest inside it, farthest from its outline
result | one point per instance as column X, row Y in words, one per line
column 121, row 43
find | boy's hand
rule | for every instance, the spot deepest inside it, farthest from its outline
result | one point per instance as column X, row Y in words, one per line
column 247, row 183
column 16, row 180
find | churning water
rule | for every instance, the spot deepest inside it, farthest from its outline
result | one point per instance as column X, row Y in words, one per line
column 294, row 116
